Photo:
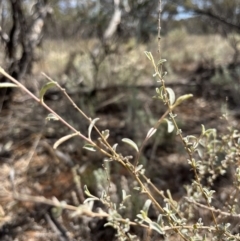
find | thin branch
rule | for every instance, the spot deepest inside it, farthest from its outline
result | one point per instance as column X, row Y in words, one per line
column 21, row 86
column 212, row 209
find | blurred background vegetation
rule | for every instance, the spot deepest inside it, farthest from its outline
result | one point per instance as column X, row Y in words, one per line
column 95, row 50
column 78, row 39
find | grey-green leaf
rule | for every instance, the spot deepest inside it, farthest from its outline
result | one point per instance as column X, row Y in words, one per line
column 51, row 116
column 7, row 85
column 156, row 227
column 114, row 147
column 146, row 206
column 182, row 98
column 89, row 147
column 138, row 168
column 91, row 199
column 131, row 143
column 171, row 95
column 170, row 126
column 44, row 89
column 203, row 129
column 105, row 134
column 91, row 126
column 124, row 195
column 151, row 132
column 63, row 139
column 149, row 55
column 86, row 191
column 161, row 61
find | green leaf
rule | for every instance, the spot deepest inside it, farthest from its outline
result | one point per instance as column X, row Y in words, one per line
column 7, row 85
column 90, row 199
column 164, row 74
column 63, row 139
column 171, row 95
column 160, row 92
column 91, row 126
column 160, row 218
column 137, row 188
column 44, row 89
column 149, row 55
column 170, row 126
column 114, row 147
column 156, row 227
column 124, row 195
column 138, row 168
column 146, row 206
column 181, row 99
column 86, row 191
column 105, row 134
column 151, row 132
column 131, row 143
column 89, row 147
column 51, row 116
column 161, row 61
column 203, row 129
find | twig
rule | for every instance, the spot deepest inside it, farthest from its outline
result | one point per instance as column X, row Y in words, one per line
column 2, row 71
column 212, row 209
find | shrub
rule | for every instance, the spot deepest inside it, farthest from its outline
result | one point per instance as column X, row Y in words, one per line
column 202, row 214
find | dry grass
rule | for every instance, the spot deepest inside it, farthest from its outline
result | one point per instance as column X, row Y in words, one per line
column 128, row 64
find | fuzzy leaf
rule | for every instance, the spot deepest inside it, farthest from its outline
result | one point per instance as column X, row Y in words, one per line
column 51, row 116
column 203, row 129
column 146, row 206
column 89, row 147
column 161, row 61
column 149, row 55
column 63, row 139
column 151, row 132
column 44, row 89
column 90, row 199
column 138, row 168
column 124, row 195
column 131, row 143
column 160, row 217
column 171, row 95
column 137, row 188
column 105, row 134
column 156, row 227
column 86, row 191
column 114, row 147
column 182, row 98
column 91, row 126
column 170, row 126
column 7, row 85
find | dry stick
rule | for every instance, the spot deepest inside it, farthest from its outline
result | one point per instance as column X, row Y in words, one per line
column 213, row 209
column 159, row 28
column 43, row 200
